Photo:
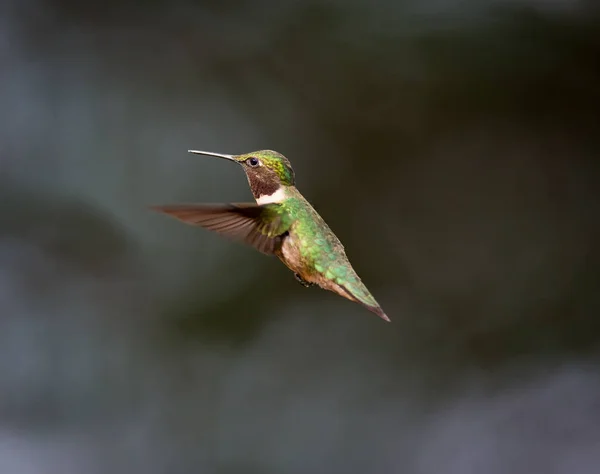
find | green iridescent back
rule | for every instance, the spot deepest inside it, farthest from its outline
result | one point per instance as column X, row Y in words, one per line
column 320, row 248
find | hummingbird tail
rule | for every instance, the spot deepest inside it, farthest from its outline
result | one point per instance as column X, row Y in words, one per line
column 378, row 311
column 374, row 308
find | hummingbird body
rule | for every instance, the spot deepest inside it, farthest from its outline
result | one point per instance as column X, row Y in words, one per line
column 312, row 251
column 284, row 224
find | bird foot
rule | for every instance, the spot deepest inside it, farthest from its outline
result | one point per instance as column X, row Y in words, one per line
column 302, row 281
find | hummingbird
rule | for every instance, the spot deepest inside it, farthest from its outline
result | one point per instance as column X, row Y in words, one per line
column 281, row 223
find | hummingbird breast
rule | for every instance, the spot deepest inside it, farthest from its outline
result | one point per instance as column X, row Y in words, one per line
column 296, row 259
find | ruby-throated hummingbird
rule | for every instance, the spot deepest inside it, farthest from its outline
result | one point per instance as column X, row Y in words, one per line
column 281, row 223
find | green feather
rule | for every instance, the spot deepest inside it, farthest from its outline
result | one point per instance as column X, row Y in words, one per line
column 321, row 250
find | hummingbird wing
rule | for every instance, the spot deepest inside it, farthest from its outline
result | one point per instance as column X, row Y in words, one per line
column 263, row 227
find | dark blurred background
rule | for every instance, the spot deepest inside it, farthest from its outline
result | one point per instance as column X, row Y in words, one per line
column 452, row 146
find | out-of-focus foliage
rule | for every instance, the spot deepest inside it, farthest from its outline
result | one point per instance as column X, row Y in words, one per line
column 452, row 146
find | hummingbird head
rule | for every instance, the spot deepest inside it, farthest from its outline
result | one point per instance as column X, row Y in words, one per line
column 268, row 173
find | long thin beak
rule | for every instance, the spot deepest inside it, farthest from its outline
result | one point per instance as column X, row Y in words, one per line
column 208, row 153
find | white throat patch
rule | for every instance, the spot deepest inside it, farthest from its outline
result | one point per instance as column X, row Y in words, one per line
column 276, row 197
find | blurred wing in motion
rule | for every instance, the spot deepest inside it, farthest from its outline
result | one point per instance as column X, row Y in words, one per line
column 262, row 227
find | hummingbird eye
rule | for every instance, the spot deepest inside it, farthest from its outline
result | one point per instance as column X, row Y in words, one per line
column 254, row 162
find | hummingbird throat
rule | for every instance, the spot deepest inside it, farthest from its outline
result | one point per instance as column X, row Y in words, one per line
column 276, row 197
